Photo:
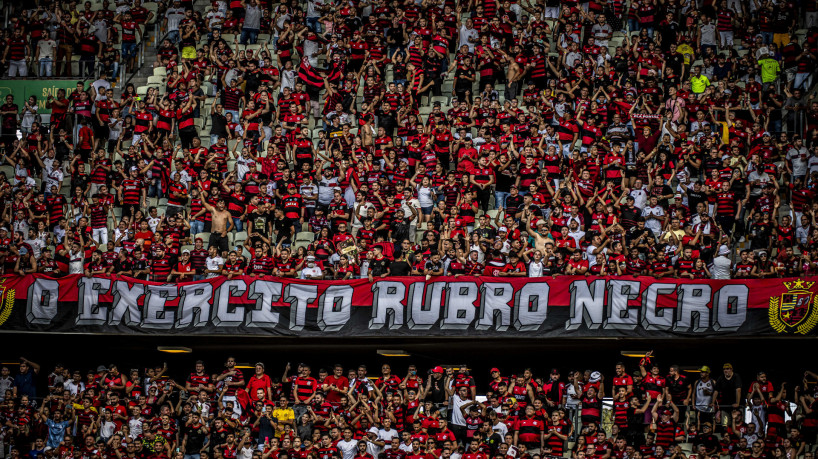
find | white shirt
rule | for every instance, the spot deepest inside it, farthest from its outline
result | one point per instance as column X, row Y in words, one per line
column 315, row 271
column 347, row 448
column 457, row 416
column 153, row 222
column 590, row 256
column 174, row 16
column 212, row 264
column 53, row 177
column 721, row 268
column 652, row 218
column 640, row 197
column 47, row 47
column 534, row 270
column 798, row 158
column 465, row 34
column 388, row 435
column 308, row 191
column 215, row 18
column 75, row 262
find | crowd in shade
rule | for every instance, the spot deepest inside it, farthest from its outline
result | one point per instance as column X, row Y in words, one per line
column 653, row 412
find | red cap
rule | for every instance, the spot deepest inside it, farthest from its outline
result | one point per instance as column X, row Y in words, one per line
column 437, row 369
column 198, row 239
column 494, row 369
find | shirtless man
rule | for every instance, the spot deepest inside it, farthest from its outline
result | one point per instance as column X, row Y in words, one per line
column 221, row 225
column 541, row 235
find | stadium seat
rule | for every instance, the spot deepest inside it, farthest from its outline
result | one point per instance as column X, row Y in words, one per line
column 160, row 71
column 205, row 237
column 156, row 79
column 444, row 100
column 255, row 48
column 152, row 7
column 308, row 236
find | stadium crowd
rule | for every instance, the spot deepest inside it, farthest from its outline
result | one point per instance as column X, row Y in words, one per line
column 337, row 140
column 347, row 414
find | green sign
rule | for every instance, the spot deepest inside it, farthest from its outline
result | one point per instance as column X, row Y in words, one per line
column 41, row 89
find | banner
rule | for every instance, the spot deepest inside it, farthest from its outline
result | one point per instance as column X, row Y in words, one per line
column 23, row 89
column 573, row 306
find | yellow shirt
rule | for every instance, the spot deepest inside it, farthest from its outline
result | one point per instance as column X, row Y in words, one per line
column 699, row 83
column 279, row 414
column 685, row 50
column 769, row 69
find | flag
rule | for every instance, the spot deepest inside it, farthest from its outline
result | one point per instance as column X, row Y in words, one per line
column 310, row 75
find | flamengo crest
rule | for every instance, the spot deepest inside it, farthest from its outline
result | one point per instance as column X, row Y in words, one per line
column 6, row 302
column 795, row 311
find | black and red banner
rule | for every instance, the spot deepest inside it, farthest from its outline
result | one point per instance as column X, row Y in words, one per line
column 572, row 306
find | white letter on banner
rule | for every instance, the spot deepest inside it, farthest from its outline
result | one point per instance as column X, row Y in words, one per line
column 654, row 318
column 223, row 316
column 693, row 314
column 125, row 302
column 387, row 305
column 458, row 307
column 587, row 303
column 334, row 307
column 494, row 308
column 194, row 304
column 156, row 316
column 619, row 316
column 531, row 306
column 91, row 313
column 299, row 296
column 265, row 293
column 424, row 309
column 41, row 307
column 730, row 302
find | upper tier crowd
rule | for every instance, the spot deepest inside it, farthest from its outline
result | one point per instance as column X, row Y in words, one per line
column 335, row 140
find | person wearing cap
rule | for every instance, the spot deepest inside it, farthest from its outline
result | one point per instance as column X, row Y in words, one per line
column 183, row 271
column 260, row 382
column 722, row 266
column 160, row 264
column 496, row 379
column 704, row 401
column 311, row 270
column 436, row 389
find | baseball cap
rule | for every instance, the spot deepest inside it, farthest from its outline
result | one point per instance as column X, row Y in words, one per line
column 494, row 369
column 437, row 369
column 727, row 366
column 705, row 369
column 186, row 251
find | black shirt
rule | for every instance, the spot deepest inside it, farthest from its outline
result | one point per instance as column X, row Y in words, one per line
column 727, row 389
column 218, row 125
column 284, row 227
column 400, row 268
column 378, row 267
